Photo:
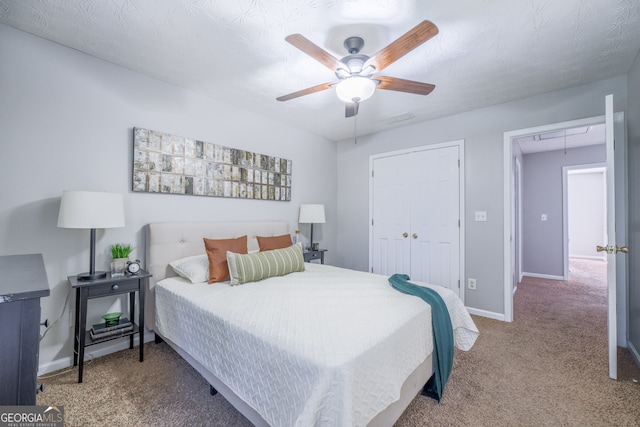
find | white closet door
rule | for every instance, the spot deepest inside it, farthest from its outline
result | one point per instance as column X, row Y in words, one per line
column 415, row 207
column 391, row 215
column 435, row 207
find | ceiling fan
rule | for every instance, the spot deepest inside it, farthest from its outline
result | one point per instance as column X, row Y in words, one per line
column 355, row 72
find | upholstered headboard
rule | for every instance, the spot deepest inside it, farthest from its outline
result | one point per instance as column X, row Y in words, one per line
column 169, row 241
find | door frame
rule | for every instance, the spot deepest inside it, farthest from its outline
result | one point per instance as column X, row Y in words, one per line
column 566, row 170
column 461, row 186
column 517, row 224
column 507, row 192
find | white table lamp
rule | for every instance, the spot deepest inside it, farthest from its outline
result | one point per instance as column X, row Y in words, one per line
column 89, row 209
column 311, row 214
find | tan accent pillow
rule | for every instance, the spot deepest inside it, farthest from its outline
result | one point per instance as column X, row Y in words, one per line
column 217, row 254
column 275, row 242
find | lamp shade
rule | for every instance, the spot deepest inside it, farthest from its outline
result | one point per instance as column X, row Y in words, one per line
column 311, row 214
column 355, row 89
column 89, row 209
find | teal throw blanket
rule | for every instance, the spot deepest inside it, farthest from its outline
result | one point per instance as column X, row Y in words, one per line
column 442, row 334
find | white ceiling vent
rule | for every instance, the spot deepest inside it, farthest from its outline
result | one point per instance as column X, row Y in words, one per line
column 399, row 118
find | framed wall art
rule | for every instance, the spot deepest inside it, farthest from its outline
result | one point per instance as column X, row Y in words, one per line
column 164, row 163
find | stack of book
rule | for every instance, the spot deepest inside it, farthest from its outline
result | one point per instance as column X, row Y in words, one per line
column 101, row 330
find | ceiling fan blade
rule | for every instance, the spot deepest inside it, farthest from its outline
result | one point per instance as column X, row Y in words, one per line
column 351, row 109
column 306, row 91
column 402, row 85
column 315, row 51
column 403, row 45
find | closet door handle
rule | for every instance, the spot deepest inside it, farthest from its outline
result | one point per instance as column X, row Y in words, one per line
column 414, row 235
column 405, row 234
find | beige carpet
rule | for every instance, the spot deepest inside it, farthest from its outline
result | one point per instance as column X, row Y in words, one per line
column 547, row 368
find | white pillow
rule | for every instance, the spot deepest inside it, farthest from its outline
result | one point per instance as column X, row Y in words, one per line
column 194, row 268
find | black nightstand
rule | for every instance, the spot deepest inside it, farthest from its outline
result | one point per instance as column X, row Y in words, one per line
column 311, row 255
column 102, row 288
column 22, row 284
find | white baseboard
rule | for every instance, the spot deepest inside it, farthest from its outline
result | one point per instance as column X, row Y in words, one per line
column 484, row 313
column 67, row 362
column 543, row 276
column 634, row 353
column 596, row 257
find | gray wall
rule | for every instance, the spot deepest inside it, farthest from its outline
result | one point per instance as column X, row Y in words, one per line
column 66, row 121
column 483, row 132
column 542, row 193
column 633, row 138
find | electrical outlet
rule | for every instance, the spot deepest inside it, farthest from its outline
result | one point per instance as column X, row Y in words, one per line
column 481, row 216
column 471, row 284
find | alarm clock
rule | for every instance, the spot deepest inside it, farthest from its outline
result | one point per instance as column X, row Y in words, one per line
column 133, row 267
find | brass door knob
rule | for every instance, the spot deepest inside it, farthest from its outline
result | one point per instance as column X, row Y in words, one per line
column 612, row 249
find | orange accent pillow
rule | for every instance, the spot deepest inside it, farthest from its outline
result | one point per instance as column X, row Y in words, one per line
column 217, row 254
column 275, row 242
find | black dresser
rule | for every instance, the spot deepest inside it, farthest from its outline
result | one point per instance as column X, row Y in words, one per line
column 23, row 281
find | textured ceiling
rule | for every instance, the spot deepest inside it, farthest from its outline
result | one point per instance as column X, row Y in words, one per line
column 487, row 51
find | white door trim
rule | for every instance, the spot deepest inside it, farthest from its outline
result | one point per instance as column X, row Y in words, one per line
column 457, row 143
column 612, row 239
column 518, row 215
column 507, row 191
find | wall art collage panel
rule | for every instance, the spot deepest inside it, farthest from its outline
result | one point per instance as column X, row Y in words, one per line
column 164, row 163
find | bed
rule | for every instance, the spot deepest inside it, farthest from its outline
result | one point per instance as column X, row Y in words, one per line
column 325, row 346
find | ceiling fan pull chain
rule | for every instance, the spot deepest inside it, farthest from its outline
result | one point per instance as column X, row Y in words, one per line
column 355, row 134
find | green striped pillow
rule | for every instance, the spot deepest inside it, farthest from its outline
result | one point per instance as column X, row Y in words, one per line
column 244, row 268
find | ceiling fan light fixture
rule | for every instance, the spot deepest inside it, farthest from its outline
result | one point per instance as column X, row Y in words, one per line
column 355, row 89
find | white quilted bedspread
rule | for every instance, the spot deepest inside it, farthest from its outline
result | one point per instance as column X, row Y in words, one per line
column 327, row 346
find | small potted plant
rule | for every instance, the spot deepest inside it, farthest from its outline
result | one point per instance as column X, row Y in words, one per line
column 120, row 254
